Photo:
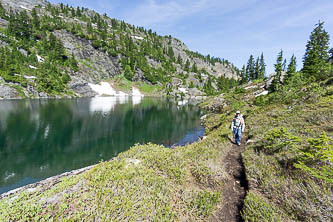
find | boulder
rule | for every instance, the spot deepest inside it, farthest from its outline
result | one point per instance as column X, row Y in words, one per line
column 269, row 81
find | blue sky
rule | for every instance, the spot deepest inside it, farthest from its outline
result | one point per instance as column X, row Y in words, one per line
column 227, row 29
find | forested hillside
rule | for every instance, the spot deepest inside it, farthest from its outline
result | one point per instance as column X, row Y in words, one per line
column 56, row 50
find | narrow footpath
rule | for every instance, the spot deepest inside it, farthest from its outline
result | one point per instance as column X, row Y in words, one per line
column 234, row 191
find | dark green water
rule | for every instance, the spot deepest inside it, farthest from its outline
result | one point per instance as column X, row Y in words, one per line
column 43, row 138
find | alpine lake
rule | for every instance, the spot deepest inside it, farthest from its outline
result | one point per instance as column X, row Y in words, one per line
column 46, row 137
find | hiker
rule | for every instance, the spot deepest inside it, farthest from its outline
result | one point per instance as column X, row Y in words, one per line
column 237, row 127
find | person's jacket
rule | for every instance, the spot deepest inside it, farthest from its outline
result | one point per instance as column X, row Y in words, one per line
column 238, row 122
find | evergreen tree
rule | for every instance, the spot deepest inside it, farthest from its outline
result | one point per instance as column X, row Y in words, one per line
column 179, row 60
column 262, row 65
column 187, row 65
column 291, row 67
column 276, row 83
column 284, row 65
column 315, row 60
column 128, row 73
column 250, row 68
column 243, row 75
column 35, row 19
column 331, row 54
column 194, row 68
column 257, row 69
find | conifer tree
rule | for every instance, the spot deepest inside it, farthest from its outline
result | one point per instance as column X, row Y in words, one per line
column 187, row 66
column 194, row 68
column 243, row 75
column 315, row 60
column 257, row 69
column 35, row 19
column 275, row 85
column 292, row 66
column 284, row 65
column 331, row 54
column 262, row 65
column 250, row 69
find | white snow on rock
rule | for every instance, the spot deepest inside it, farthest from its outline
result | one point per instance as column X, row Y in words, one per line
column 262, row 93
column 136, row 92
column 137, row 37
column 105, row 88
column 250, row 87
column 25, row 8
column 183, row 90
column 30, row 77
column 40, row 59
column 32, row 67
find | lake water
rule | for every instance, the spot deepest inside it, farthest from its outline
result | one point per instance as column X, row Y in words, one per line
column 43, row 138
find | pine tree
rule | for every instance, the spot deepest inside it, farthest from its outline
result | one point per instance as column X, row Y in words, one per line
column 187, row 66
column 257, row 69
column 250, row 69
column 331, row 54
column 291, row 67
column 35, row 19
column 276, row 83
column 179, row 60
column 284, row 65
column 243, row 75
column 194, row 68
column 262, row 65
column 128, row 73
column 315, row 60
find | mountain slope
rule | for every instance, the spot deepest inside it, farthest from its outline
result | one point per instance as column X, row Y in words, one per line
column 81, row 46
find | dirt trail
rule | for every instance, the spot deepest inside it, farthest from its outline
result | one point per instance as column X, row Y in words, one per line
column 234, row 191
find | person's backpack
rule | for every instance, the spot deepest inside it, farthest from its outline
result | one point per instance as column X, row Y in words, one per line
column 238, row 122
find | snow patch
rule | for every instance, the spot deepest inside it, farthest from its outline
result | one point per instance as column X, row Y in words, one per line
column 40, row 59
column 183, row 90
column 250, row 87
column 32, row 67
column 136, row 92
column 30, row 77
column 105, row 88
column 137, row 37
column 23, row 7
column 262, row 93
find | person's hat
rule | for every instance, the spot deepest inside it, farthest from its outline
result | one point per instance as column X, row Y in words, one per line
column 238, row 112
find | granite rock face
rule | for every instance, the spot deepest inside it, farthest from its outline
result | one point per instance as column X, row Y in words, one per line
column 7, row 92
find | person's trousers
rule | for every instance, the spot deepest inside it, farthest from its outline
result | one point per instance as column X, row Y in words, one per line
column 237, row 135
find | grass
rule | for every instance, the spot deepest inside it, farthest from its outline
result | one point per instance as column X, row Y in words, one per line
column 147, row 89
column 281, row 132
